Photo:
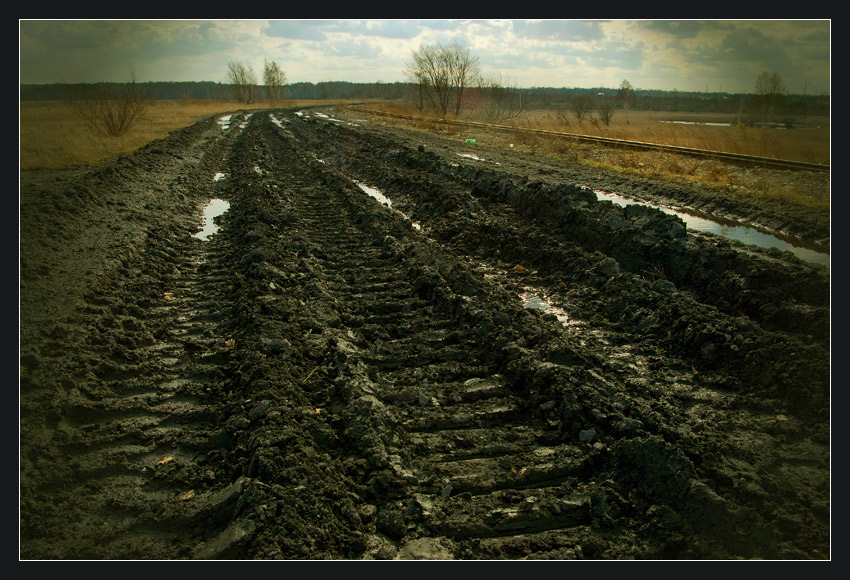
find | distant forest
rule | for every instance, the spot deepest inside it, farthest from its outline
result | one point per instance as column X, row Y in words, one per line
column 533, row 98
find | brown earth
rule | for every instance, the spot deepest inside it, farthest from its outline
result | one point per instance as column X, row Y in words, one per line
column 496, row 366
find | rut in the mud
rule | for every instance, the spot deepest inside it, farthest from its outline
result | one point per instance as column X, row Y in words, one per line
column 126, row 435
column 406, row 385
column 324, row 380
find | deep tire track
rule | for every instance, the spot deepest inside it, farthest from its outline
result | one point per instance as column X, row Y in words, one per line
column 324, row 380
column 417, row 392
column 131, row 434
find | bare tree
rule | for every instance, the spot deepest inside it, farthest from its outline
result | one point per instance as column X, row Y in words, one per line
column 275, row 80
column 463, row 71
column 441, row 75
column 112, row 110
column 582, row 105
column 770, row 90
column 431, row 79
column 499, row 102
column 627, row 97
column 242, row 80
column 604, row 108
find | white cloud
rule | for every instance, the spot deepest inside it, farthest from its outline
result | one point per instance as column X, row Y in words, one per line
column 687, row 55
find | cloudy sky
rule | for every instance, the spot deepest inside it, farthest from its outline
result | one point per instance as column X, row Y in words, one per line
column 686, row 55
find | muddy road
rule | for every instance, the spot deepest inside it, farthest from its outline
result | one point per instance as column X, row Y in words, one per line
column 489, row 364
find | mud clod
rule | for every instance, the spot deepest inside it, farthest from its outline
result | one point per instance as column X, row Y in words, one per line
column 329, row 381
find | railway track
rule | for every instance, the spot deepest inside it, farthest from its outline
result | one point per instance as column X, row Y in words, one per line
column 748, row 160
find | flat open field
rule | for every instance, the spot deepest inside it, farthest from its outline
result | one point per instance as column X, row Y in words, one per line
column 53, row 136
column 398, row 345
column 808, row 141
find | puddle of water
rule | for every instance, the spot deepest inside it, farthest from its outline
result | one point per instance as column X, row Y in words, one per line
column 535, row 299
column 384, row 200
column 699, row 123
column 731, row 230
column 213, row 209
column 225, row 121
column 375, row 193
column 733, row 124
column 532, row 298
column 477, row 158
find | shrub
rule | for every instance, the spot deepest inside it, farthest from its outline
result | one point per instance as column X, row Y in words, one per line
column 112, row 110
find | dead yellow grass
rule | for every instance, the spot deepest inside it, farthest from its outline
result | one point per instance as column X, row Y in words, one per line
column 810, row 144
column 53, row 136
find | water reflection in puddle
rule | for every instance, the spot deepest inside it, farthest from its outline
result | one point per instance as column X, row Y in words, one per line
column 705, row 124
column 375, row 193
column 213, row 209
column 532, row 298
column 384, row 200
column 536, row 299
column 731, row 230
column 477, row 158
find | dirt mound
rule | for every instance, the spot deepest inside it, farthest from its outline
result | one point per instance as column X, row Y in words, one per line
column 393, row 349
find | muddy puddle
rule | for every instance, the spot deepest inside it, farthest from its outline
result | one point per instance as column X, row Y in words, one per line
column 729, row 229
column 384, row 200
column 322, row 382
column 537, row 299
column 213, row 209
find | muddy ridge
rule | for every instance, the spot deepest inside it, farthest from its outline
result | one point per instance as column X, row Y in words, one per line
column 484, row 363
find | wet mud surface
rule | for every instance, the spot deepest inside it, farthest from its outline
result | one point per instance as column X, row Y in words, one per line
column 494, row 366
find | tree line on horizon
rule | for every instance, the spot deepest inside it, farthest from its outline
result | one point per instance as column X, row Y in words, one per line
column 440, row 80
column 533, row 98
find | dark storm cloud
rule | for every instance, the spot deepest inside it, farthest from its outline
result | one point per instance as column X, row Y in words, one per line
column 56, row 36
column 44, row 45
column 104, row 50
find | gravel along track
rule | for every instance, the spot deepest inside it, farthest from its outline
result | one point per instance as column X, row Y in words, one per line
column 484, row 363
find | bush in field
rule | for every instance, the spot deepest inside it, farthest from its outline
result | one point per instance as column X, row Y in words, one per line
column 498, row 101
column 111, row 109
column 582, row 105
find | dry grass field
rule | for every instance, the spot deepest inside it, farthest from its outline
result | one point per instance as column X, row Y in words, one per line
column 53, row 136
column 808, row 142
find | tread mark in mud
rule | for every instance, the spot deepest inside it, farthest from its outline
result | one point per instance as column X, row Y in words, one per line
column 323, row 380
column 404, row 352
column 137, row 432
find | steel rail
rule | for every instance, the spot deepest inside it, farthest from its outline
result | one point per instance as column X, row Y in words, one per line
column 734, row 157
